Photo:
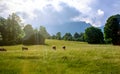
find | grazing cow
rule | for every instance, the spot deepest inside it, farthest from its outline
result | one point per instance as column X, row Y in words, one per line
column 54, row 47
column 64, row 47
column 24, row 48
column 3, row 49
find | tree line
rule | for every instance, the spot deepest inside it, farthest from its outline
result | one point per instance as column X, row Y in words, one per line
column 12, row 32
column 69, row 37
column 94, row 35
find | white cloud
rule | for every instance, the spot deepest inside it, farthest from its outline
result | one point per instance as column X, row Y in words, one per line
column 89, row 14
column 84, row 6
column 24, row 6
column 100, row 12
column 28, row 7
column 93, row 17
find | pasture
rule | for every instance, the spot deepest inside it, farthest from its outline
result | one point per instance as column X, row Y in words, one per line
column 77, row 58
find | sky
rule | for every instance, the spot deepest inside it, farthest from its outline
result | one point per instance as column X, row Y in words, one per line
column 56, row 12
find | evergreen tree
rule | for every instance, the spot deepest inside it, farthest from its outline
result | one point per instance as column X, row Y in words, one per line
column 76, row 37
column 68, row 36
column 58, row 36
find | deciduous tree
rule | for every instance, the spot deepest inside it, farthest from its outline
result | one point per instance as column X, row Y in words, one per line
column 94, row 35
column 112, row 29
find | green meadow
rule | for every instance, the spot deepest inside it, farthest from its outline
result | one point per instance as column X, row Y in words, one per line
column 78, row 58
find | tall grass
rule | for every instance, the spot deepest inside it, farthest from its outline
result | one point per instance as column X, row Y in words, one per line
column 78, row 58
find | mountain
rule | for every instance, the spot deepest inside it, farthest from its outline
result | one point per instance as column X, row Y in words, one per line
column 71, row 27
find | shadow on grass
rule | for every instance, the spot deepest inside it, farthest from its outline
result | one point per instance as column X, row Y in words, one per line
column 29, row 57
column 35, row 44
column 8, row 71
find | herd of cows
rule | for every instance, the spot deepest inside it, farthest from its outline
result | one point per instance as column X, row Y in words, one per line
column 54, row 47
column 25, row 48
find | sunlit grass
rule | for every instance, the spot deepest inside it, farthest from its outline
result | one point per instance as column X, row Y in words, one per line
column 78, row 58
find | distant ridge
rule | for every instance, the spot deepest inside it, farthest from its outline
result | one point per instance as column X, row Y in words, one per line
column 71, row 27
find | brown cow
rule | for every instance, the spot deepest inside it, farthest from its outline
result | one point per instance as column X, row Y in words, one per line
column 64, row 47
column 3, row 49
column 54, row 47
column 24, row 48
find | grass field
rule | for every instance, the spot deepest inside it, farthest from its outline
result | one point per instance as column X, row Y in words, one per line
column 78, row 58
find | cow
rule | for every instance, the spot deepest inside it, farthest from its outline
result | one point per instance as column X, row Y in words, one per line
column 24, row 48
column 54, row 47
column 64, row 47
column 3, row 49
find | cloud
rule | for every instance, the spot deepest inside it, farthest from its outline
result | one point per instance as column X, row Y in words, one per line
column 84, row 6
column 60, row 11
column 28, row 7
column 100, row 12
column 93, row 17
column 50, row 16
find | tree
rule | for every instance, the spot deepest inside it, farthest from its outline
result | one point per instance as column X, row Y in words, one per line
column 28, row 29
column 112, row 29
column 32, row 36
column 53, row 37
column 2, row 31
column 39, row 39
column 58, row 36
column 15, row 30
column 68, row 36
column 29, row 37
column 44, row 32
column 94, row 35
column 81, row 37
column 76, row 37
column 11, row 31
